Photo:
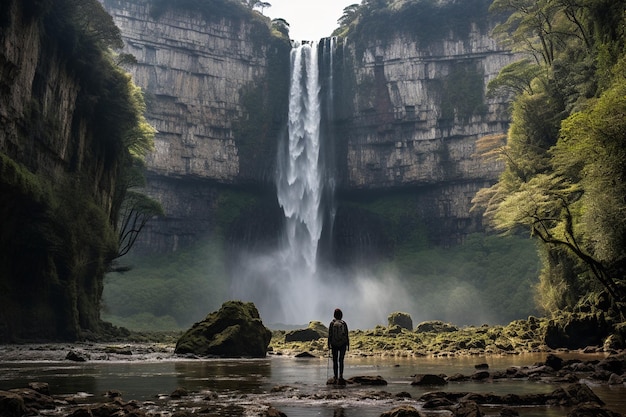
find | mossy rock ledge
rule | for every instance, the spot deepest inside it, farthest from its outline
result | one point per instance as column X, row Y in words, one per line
column 235, row 330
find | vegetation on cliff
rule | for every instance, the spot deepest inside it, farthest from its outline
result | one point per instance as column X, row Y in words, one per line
column 423, row 20
column 62, row 172
column 565, row 177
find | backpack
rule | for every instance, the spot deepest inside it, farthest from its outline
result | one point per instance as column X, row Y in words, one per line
column 339, row 333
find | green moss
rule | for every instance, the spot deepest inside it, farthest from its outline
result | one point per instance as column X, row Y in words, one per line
column 18, row 180
column 462, row 94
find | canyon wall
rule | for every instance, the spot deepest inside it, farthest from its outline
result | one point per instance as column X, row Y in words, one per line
column 407, row 117
column 216, row 89
column 63, row 109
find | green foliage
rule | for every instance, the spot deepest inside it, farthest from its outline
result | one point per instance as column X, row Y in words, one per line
column 462, row 94
column 232, row 203
column 23, row 182
column 566, row 151
column 592, row 152
column 183, row 286
column 60, row 238
column 424, row 20
column 515, row 78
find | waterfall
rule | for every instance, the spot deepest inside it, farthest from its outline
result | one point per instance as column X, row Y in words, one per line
column 299, row 180
column 292, row 284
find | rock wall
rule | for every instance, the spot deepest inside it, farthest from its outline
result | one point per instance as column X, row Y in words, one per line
column 406, row 128
column 58, row 170
column 407, row 116
column 196, row 73
column 214, row 87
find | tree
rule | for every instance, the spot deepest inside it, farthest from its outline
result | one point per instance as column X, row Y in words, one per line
column 256, row 4
column 281, row 26
column 566, row 146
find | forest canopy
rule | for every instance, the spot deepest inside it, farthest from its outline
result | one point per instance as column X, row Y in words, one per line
column 565, row 176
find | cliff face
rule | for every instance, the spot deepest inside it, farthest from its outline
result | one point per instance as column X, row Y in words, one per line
column 216, row 89
column 59, row 164
column 198, row 75
column 407, row 116
column 417, row 111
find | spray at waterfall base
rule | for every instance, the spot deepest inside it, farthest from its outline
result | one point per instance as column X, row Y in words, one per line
column 288, row 285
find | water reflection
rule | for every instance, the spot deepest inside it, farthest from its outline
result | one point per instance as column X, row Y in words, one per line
column 248, row 376
column 307, row 394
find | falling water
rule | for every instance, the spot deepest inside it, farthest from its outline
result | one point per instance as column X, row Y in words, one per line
column 299, row 182
column 291, row 284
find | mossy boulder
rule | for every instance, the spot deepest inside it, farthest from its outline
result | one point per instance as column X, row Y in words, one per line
column 435, row 326
column 577, row 330
column 235, row 330
column 315, row 331
column 401, row 319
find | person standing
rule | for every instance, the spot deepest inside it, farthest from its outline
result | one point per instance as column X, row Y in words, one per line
column 338, row 343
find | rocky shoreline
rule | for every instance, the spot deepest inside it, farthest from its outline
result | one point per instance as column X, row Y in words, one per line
column 571, row 375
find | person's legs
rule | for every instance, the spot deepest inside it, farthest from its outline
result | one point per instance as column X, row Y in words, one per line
column 342, row 355
column 335, row 361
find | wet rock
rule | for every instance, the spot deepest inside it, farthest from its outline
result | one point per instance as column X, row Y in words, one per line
column 615, row 379
column 236, row 330
column 81, row 412
column 554, row 362
column 437, row 395
column 34, row 400
column 305, row 355
column 302, row 335
column 467, row 409
column 458, row 378
column 577, row 331
column 340, row 381
column 435, row 326
column 480, row 375
column 119, row 350
column 183, row 414
column 428, row 379
column 106, row 410
column 483, row 398
column 401, row 319
column 113, row 393
column 11, row 404
column 40, row 387
column 481, row 366
column 574, row 394
column 438, row 403
column 273, row 412
column 402, row 411
column 591, row 410
column 179, row 393
column 367, row 380
column 612, row 364
column 403, row 394
column 76, row 356
column 508, row 412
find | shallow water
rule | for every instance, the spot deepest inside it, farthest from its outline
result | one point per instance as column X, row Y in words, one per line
column 146, row 376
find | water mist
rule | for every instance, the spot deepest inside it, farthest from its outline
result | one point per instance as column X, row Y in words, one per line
column 289, row 285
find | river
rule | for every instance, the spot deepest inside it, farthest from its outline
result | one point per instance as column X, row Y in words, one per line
column 153, row 372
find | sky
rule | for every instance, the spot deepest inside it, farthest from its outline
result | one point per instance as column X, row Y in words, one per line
column 308, row 19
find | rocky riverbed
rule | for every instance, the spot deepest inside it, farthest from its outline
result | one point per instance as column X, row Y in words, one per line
column 362, row 395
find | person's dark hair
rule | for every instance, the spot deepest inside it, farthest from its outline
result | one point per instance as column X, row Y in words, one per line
column 338, row 314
